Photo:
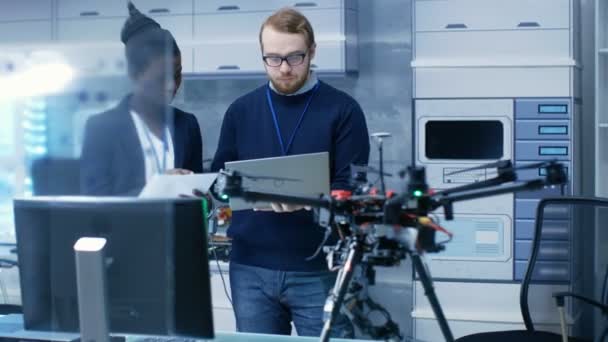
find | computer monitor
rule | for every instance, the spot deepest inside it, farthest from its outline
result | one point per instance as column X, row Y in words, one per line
column 156, row 253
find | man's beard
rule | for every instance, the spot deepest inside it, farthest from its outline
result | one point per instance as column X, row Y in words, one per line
column 293, row 87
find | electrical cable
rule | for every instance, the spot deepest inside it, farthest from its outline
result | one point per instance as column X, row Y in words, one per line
column 219, row 269
column 604, row 298
column 604, row 335
column 207, row 215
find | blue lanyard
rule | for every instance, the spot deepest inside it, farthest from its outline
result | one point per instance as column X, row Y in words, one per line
column 276, row 121
column 165, row 148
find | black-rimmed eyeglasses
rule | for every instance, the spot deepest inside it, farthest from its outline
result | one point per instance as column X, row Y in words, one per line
column 292, row 60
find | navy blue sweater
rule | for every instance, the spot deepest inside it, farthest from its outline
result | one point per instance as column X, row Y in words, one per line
column 334, row 122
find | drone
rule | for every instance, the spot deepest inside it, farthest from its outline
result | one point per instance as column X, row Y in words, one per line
column 381, row 228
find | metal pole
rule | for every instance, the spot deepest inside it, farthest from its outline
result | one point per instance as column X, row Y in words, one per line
column 91, row 284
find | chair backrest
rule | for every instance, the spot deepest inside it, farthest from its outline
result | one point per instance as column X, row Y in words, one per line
column 56, row 176
column 581, row 202
column 7, row 309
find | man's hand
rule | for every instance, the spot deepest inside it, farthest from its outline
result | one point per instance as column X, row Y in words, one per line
column 283, row 208
column 178, row 172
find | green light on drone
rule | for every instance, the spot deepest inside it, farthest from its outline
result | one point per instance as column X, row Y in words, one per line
column 418, row 193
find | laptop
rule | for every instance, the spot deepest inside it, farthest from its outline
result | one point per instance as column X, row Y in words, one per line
column 310, row 174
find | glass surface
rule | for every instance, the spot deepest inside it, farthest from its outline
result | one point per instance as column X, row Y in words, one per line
column 91, row 114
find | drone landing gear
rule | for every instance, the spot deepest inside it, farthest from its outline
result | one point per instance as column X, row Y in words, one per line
column 345, row 275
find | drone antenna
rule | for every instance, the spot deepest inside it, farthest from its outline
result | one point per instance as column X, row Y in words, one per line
column 378, row 138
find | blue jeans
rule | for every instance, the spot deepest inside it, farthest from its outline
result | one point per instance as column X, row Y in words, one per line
column 267, row 301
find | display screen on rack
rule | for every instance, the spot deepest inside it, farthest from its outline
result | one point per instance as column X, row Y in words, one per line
column 464, row 139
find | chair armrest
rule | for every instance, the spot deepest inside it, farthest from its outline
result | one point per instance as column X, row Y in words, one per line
column 560, row 296
column 7, row 263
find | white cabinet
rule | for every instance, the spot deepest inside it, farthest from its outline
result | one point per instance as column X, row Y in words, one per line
column 478, row 48
column 494, row 31
column 92, row 20
column 245, row 26
column 228, row 58
column 331, row 57
column 179, row 25
column 246, row 58
column 216, row 37
column 25, row 31
column 25, row 10
column 226, row 35
column 90, row 30
column 25, row 21
column 225, row 6
column 487, row 46
column 491, row 14
column 106, row 59
column 491, row 82
column 72, row 9
column 108, row 29
column 164, row 7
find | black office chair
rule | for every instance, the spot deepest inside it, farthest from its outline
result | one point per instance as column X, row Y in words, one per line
column 6, row 309
column 50, row 177
column 531, row 334
column 56, row 176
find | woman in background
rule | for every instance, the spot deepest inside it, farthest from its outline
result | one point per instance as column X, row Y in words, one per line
column 143, row 135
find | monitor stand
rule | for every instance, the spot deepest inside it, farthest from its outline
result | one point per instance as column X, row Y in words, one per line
column 91, row 285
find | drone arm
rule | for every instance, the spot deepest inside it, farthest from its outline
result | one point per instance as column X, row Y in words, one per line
column 530, row 185
column 500, row 179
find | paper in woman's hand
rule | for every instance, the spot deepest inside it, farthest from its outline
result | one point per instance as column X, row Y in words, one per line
column 174, row 186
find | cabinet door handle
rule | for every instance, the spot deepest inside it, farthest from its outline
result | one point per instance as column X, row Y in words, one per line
column 159, row 10
column 305, row 4
column 228, row 67
column 89, row 14
column 229, row 8
column 528, row 24
column 455, row 26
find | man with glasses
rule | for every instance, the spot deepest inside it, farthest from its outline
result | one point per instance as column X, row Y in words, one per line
column 272, row 278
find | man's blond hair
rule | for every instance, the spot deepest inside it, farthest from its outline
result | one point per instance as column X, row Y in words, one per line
column 288, row 20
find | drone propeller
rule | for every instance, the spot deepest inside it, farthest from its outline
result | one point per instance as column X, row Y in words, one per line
column 542, row 164
column 368, row 169
column 501, row 164
column 555, row 172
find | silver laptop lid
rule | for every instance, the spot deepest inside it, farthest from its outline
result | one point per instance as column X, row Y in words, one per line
column 310, row 170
